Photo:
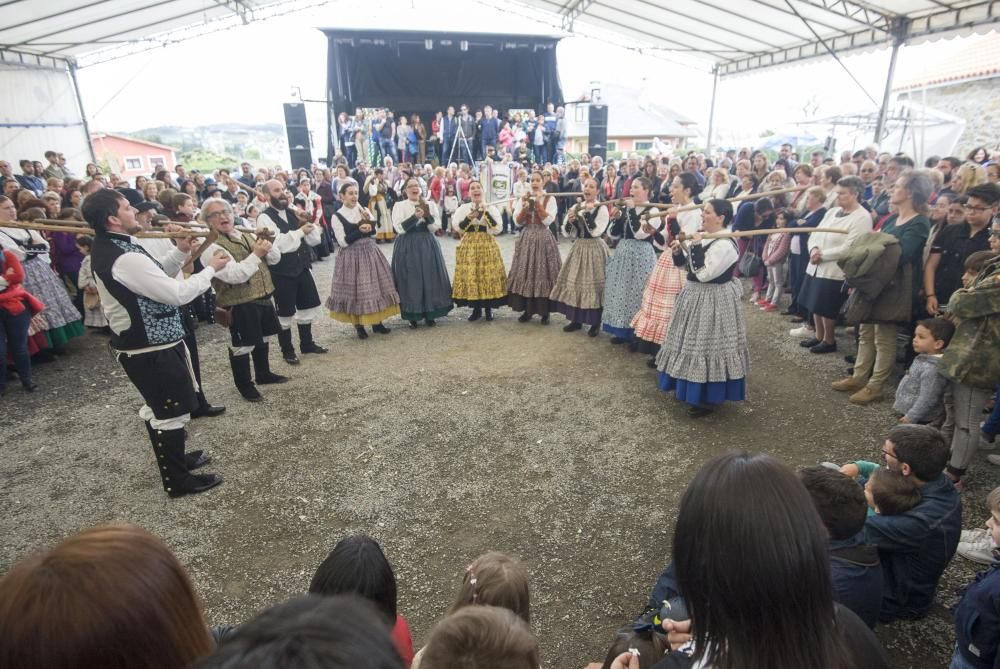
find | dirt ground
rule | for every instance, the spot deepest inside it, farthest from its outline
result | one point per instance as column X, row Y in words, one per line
column 442, row 444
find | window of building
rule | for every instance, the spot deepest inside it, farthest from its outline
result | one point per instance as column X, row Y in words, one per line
column 133, row 163
column 612, row 145
column 643, row 146
column 156, row 162
column 579, row 114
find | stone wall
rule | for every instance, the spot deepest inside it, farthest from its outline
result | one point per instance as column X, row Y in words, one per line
column 978, row 102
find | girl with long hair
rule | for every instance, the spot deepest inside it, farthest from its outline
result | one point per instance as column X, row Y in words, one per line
column 536, row 264
column 480, row 277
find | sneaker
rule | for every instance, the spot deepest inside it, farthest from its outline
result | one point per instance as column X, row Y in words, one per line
column 769, row 307
column 866, row 395
column 977, row 551
column 755, row 298
column 974, row 536
column 761, row 303
column 993, row 459
column 803, row 332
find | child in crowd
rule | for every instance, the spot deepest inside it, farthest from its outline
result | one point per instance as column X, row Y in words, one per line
column 357, row 565
column 493, row 579
column 970, row 361
column 450, row 207
column 888, row 493
column 488, row 637
column 93, row 315
column 920, row 393
column 775, row 252
column 977, row 614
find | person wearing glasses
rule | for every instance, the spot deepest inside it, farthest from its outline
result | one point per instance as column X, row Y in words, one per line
column 244, row 289
column 946, row 262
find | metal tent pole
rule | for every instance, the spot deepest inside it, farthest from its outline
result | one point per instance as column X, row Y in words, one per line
column 711, row 112
column 900, row 31
column 79, row 106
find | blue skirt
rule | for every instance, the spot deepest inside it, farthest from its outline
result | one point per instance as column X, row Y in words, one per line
column 623, row 333
column 712, row 392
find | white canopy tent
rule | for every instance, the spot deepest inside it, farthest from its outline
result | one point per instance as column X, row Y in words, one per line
column 738, row 36
column 42, row 44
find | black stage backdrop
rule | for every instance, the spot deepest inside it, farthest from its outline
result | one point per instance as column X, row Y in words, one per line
column 396, row 70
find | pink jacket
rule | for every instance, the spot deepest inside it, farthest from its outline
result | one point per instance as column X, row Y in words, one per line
column 776, row 248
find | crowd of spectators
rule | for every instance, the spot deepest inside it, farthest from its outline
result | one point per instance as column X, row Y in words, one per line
column 920, row 262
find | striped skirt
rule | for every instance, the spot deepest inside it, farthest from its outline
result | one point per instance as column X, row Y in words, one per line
column 362, row 291
column 579, row 290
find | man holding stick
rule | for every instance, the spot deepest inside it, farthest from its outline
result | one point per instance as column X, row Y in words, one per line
column 295, row 291
column 142, row 301
column 244, row 288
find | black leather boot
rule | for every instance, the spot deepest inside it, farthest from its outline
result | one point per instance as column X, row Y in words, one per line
column 262, row 366
column 205, row 409
column 241, row 376
column 381, row 329
column 477, row 313
column 306, row 343
column 168, row 446
column 287, row 348
column 192, row 459
column 362, row 333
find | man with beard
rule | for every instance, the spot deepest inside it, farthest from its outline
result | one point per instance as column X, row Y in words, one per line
column 244, row 288
column 295, row 291
column 947, row 167
column 142, row 300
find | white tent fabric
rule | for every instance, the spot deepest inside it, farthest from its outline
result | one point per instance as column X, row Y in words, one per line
column 743, row 35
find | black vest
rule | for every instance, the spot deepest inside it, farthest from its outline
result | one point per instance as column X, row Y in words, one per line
column 725, row 277
column 151, row 323
column 295, row 262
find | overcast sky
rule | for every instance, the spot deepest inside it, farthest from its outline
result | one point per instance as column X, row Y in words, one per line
column 245, row 74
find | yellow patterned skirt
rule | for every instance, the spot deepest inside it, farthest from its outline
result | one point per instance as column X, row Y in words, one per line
column 480, row 277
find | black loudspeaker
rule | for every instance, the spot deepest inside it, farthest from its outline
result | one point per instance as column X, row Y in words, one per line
column 298, row 135
column 598, row 134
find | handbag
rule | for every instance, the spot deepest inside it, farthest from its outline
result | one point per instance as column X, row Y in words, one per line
column 750, row 263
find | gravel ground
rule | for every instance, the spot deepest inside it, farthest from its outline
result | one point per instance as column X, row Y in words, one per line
column 442, row 444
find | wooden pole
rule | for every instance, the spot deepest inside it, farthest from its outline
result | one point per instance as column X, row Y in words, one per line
column 738, row 198
column 47, row 225
column 768, row 231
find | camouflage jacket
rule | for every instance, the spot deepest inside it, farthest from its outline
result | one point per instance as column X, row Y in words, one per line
column 973, row 356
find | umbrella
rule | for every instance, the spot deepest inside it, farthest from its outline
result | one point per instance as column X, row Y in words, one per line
column 798, row 138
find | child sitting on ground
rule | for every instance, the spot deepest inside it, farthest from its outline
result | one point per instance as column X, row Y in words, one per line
column 493, row 579
column 977, row 614
column 888, row 493
column 920, row 393
column 357, row 565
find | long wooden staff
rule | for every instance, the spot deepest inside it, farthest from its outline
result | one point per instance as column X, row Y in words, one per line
column 531, row 197
column 767, row 231
column 738, row 198
column 49, row 225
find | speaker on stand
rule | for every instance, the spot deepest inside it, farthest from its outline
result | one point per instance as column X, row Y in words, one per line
column 597, row 138
column 298, row 135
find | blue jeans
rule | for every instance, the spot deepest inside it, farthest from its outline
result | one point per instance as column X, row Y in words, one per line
column 388, row 149
column 14, row 336
column 959, row 662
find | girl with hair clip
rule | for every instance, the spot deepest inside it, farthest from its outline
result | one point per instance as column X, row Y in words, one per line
column 632, row 263
column 665, row 283
column 773, row 607
column 493, row 579
column 362, row 291
column 579, row 290
column 480, row 277
column 705, row 358
column 417, row 262
column 536, row 263
column 112, row 596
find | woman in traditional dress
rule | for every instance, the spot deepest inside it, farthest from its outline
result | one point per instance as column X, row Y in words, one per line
column 378, row 205
column 650, row 323
column 535, row 267
column 363, row 292
column 579, row 290
column 632, row 262
column 31, row 249
column 705, row 358
column 480, row 278
column 417, row 261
